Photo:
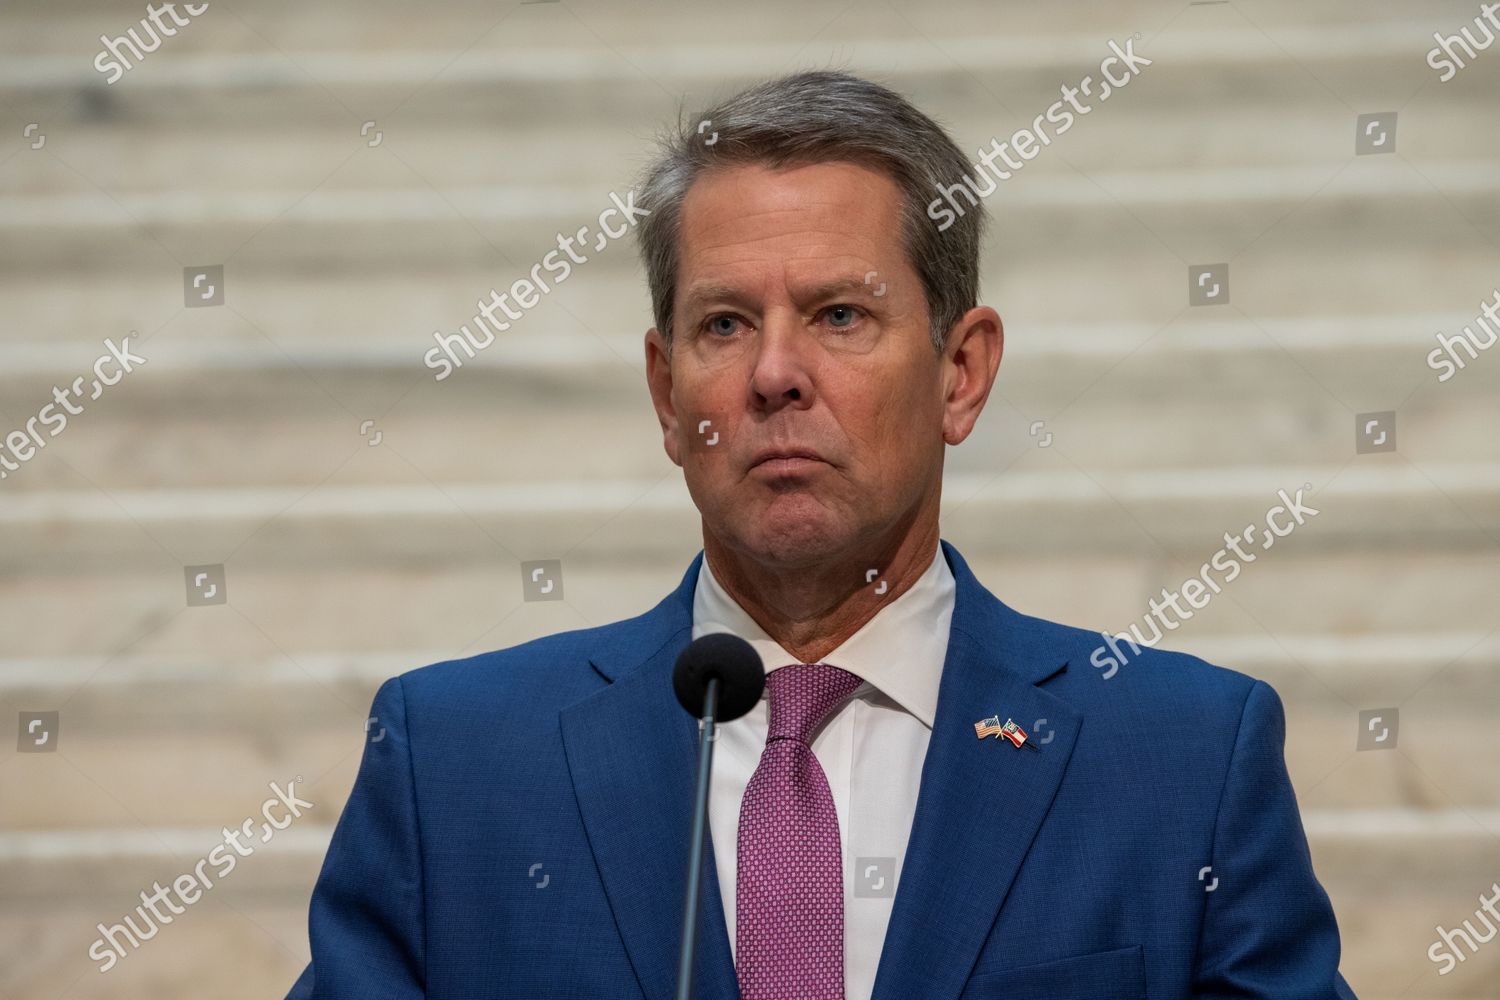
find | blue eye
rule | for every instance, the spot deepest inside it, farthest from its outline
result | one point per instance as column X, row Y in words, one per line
column 849, row 313
column 716, row 324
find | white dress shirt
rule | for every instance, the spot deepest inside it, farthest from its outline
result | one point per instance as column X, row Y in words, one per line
column 871, row 749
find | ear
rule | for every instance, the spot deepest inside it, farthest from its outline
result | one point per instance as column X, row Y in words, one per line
column 659, row 382
column 970, row 362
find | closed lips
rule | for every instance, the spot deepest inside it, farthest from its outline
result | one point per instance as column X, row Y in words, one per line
column 789, row 453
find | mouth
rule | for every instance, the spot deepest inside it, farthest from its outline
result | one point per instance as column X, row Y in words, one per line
column 784, row 461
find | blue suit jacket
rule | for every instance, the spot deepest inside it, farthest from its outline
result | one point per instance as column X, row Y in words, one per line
column 520, row 831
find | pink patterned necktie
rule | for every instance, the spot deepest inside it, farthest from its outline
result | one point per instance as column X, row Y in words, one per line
column 789, row 890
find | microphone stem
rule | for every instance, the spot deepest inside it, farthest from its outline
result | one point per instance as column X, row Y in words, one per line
column 695, row 848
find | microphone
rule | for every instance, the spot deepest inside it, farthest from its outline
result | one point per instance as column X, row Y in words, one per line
column 718, row 677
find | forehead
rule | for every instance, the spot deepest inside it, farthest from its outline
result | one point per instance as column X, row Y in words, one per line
column 814, row 219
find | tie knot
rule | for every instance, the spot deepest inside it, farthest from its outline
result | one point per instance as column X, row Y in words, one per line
column 803, row 694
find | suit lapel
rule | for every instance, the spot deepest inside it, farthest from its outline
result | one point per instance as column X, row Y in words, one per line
column 979, row 804
column 632, row 755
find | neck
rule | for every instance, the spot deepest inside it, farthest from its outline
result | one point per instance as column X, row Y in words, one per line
column 811, row 609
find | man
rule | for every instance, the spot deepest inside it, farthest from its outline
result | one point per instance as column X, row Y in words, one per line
column 937, row 797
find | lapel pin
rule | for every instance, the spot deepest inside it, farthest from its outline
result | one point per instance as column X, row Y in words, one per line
column 1009, row 730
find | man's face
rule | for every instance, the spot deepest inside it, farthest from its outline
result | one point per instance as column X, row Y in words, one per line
column 800, row 326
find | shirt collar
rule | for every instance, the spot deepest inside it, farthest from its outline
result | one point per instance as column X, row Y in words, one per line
column 899, row 652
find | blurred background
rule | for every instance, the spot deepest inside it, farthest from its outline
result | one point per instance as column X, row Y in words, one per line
column 209, row 570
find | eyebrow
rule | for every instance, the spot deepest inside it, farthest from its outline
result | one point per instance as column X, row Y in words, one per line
column 704, row 293
column 828, row 289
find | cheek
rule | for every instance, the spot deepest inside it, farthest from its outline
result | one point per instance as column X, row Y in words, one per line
column 903, row 406
column 903, row 421
column 696, row 397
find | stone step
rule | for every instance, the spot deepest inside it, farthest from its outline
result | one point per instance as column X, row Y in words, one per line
column 248, row 936
column 296, row 415
column 1195, row 353
column 451, row 583
column 196, row 772
column 363, row 219
column 1315, row 668
column 124, row 719
column 1045, row 503
column 609, row 51
column 581, row 154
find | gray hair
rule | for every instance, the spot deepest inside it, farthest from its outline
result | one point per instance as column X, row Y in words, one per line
column 813, row 117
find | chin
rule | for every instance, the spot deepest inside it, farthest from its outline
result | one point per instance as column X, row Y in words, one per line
column 794, row 530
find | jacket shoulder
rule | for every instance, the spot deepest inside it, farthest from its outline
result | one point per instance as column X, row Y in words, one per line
column 1127, row 680
column 548, row 671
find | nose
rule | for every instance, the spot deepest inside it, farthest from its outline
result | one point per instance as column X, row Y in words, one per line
column 782, row 367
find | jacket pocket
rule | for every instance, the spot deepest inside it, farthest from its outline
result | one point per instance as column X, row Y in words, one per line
column 1102, row 975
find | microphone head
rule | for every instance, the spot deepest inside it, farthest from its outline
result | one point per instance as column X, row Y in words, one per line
column 733, row 661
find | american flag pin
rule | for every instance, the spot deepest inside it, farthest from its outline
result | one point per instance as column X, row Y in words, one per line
column 1008, row 730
